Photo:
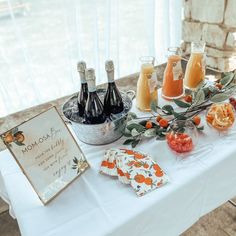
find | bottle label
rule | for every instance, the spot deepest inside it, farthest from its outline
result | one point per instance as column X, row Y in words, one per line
column 152, row 82
column 177, row 70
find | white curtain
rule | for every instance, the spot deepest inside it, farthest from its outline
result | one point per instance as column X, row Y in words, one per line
column 42, row 40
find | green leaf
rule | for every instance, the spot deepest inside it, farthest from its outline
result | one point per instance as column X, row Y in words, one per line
column 160, row 130
column 201, row 85
column 225, row 74
column 121, row 128
column 132, row 115
column 200, row 128
column 220, row 97
column 178, row 127
column 154, row 106
column 143, row 122
column 128, row 141
column 227, row 79
column 14, row 130
column 213, row 89
column 181, row 130
column 168, row 109
column 136, row 126
column 120, row 125
column 150, row 133
column 154, row 125
column 127, row 134
column 135, row 133
column 135, row 143
column 75, row 160
column 206, row 91
column 230, row 90
column 179, row 116
column 181, row 103
column 199, row 97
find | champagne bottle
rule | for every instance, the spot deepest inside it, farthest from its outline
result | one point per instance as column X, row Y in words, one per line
column 113, row 101
column 83, row 94
column 94, row 112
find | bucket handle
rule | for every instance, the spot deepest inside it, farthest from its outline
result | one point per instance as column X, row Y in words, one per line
column 130, row 94
column 66, row 121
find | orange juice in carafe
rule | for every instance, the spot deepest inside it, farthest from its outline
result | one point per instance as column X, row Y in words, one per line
column 172, row 87
column 147, row 84
column 195, row 70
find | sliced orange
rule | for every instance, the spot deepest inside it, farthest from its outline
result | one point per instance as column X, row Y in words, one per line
column 221, row 116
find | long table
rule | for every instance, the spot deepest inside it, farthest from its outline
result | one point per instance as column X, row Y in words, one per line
column 95, row 204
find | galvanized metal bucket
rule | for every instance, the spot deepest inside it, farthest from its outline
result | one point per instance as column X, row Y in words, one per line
column 98, row 134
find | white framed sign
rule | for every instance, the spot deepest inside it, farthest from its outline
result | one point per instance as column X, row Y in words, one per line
column 47, row 153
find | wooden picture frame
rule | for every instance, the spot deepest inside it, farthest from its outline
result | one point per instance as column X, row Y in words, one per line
column 47, row 153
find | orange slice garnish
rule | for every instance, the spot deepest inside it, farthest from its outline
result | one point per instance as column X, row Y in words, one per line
column 221, row 116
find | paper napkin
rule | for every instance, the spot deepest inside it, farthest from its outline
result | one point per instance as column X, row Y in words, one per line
column 108, row 165
column 134, row 168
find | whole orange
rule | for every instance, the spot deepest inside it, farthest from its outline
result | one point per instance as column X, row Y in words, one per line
column 188, row 98
column 148, row 125
column 163, row 123
column 158, row 118
column 196, row 120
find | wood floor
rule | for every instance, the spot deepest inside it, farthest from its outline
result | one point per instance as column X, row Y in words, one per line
column 220, row 222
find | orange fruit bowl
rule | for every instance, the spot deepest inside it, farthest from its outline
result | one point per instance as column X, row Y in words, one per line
column 220, row 116
column 182, row 137
column 179, row 142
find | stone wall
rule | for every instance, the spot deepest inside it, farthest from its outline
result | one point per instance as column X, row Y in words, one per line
column 213, row 21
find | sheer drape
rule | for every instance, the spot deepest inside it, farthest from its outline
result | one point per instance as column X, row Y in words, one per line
column 41, row 41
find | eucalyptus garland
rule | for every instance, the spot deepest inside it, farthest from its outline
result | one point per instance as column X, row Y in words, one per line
column 153, row 126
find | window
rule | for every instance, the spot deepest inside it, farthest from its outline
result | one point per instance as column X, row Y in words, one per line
column 42, row 40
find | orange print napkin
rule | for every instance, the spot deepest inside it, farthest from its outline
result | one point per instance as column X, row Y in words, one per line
column 134, row 168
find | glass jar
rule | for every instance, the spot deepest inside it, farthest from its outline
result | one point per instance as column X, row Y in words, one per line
column 147, row 84
column 182, row 137
column 172, row 87
column 195, row 70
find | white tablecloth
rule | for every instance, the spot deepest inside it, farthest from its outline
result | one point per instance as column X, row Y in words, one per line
column 96, row 205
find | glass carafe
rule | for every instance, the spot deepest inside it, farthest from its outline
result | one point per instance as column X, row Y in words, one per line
column 147, row 84
column 172, row 87
column 195, row 70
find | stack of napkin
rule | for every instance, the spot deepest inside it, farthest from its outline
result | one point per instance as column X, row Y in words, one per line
column 134, row 168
